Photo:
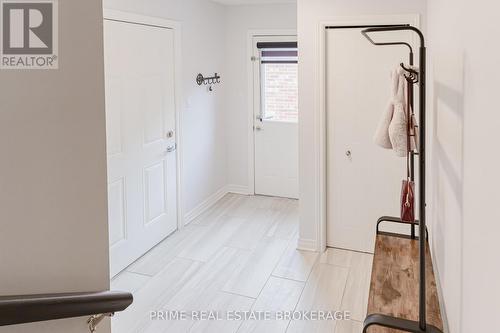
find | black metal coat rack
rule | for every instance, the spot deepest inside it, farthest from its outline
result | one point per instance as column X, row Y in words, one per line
column 413, row 77
column 420, row 326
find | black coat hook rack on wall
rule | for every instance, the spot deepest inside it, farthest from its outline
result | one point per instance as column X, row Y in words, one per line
column 200, row 79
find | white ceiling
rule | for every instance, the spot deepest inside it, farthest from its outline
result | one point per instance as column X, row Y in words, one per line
column 252, row 2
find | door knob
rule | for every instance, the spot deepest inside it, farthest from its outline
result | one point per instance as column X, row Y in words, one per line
column 348, row 153
column 171, row 149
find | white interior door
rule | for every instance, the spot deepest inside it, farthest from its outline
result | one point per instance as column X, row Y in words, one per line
column 363, row 180
column 140, row 118
column 276, row 117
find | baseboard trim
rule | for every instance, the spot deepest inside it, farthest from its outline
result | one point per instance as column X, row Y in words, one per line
column 238, row 189
column 206, row 204
column 307, row 245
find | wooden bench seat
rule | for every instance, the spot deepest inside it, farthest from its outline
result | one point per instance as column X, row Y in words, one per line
column 395, row 280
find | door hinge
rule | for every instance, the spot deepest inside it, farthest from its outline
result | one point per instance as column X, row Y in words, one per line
column 254, row 58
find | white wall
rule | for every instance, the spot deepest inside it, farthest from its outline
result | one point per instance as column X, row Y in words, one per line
column 464, row 122
column 241, row 20
column 53, row 213
column 202, row 113
column 310, row 14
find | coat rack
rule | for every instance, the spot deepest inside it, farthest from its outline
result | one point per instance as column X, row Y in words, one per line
column 200, row 79
column 412, row 78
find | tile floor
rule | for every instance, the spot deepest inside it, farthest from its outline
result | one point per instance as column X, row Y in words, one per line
column 241, row 256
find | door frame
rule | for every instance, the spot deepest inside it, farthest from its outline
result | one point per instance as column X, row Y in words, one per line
column 127, row 17
column 252, row 96
column 320, row 122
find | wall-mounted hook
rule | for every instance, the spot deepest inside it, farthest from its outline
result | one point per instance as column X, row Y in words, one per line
column 410, row 70
column 200, row 79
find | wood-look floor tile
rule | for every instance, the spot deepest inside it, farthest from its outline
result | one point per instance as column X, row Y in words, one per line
column 253, row 229
column 222, row 303
column 275, row 203
column 253, row 274
column 243, row 207
column 127, row 281
column 323, row 292
column 157, row 292
column 286, row 223
column 278, row 295
column 197, row 293
column 219, row 209
column 203, row 246
column 295, row 264
column 348, row 326
column 336, row 257
column 237, row 251
column 355, row 298
column 162, row 254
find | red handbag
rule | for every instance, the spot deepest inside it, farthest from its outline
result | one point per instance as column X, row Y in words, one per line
column 408, row 201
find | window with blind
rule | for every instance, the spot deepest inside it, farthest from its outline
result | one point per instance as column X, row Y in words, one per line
column 279, row 79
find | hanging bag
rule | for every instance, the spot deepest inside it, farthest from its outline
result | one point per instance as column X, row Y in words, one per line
column 408, row 201
column 408, row 187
